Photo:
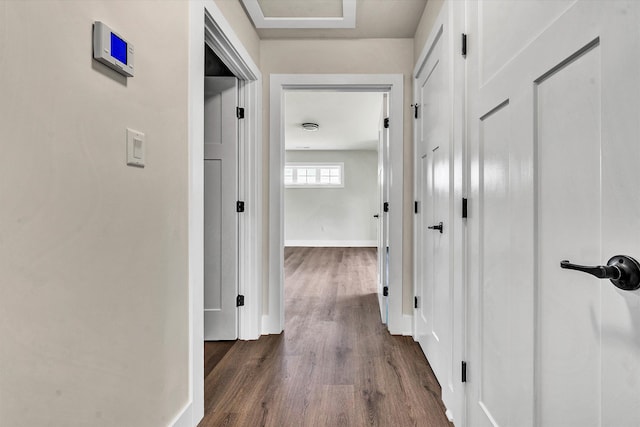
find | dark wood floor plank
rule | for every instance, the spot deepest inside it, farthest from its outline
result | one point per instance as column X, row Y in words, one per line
column 214, row 351
column 335, row 364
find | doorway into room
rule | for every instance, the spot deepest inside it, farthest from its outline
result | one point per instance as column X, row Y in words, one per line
column 334, row 192
column 391, row 295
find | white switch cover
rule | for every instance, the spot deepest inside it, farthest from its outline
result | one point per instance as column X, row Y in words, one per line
column 135, row 148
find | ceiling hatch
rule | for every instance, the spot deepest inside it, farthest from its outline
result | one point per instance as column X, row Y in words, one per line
column 302, row 14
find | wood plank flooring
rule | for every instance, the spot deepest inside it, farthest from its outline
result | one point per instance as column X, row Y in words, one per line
column 335, row 364
column 214, row 351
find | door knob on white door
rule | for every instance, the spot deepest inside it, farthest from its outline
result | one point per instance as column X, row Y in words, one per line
column 436, row 227
column 622, row 270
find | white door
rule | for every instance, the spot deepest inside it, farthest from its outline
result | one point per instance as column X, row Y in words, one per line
column 434, row 220
column 554, row 107
column 220, row 216
column 383, row 217
column 381, row 240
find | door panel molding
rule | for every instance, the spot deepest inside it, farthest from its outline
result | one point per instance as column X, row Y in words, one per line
column 557, row 142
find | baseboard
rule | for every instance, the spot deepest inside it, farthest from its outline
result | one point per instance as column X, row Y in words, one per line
column 449, row 415
column 184, row 418
column 270, row 325
column 332, row 243
column 407, row 324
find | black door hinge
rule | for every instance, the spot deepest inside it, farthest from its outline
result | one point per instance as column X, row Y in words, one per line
column 464, row 207
column 240, row 301
column 385, row 291
column 415, row 302
column 239, row 206
column 415, row 207
column 386, row 122
column 240, row 112
column 464, row 372
column 464, row 45
column 385, row 206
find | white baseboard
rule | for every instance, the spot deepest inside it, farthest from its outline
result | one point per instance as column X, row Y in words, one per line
column 184, row 418
column 270, row 325
column 332, row 243
column 407, row 324
column 449, row 415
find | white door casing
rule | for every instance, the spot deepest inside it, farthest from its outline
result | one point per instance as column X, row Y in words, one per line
column 553, row 125
column 439, row 154
column 218, row 34
column 421, row 313
column 220, row 216
column 273, row 322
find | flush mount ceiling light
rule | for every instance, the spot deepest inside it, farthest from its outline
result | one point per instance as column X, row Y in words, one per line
column 311, row 127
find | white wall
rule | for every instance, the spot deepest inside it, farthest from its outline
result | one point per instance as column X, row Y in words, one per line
column 334, row 216
column 93, row 253
column 235, row 15
column 425, row 26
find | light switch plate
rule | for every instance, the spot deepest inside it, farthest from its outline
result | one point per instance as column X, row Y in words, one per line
column 136, row 148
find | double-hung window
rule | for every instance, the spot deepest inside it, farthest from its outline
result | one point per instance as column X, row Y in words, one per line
column 314, row 175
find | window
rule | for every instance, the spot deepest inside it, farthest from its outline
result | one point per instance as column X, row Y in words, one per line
column 314, row 175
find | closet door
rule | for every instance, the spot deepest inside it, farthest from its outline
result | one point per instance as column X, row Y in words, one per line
column 220, row 216
column 438, row 221
column 553, row 137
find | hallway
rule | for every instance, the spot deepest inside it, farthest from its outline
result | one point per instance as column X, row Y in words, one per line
column 335, row 364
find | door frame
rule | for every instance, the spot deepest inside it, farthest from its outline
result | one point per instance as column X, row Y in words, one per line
column 273, row 322
column 452, row 17
column 208, row 25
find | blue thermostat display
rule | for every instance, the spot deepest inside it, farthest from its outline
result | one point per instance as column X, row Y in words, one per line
column 118, row 48
column 112, row 49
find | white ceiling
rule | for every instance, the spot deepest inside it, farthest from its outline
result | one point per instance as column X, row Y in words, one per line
column 373, row 18
column 348, row 120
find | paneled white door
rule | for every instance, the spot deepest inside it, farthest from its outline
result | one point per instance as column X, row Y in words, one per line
column 554, row 113
column 383, row 217
column 382, row 246
column 220, row 216
column 433, row 324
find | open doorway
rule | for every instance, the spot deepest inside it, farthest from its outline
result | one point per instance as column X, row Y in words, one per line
column 209, row 27
column 333, row 189
column 220, row 217
column 391, row 299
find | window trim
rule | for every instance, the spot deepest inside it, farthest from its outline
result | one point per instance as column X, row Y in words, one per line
column 317, row 166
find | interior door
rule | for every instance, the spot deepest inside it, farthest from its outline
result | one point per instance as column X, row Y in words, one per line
column 553, row 138
column 381, row 239
column 220, row 216
column 434, row 222
column 383, row 217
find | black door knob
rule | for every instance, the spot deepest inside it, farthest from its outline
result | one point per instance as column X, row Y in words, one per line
column 622, row 270
column 436, row 227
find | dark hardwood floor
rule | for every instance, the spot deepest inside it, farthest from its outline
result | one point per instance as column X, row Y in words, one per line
column 335, row 364
column 214, row 351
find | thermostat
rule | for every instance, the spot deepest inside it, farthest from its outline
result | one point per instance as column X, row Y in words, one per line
column 112, row 49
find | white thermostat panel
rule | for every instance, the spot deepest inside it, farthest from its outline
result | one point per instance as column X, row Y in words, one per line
column 112, row 50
